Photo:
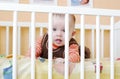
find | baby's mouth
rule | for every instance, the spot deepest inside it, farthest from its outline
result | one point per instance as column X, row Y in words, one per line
column 58, row 41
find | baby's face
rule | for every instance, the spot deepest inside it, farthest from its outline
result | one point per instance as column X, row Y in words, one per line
column 59, row 31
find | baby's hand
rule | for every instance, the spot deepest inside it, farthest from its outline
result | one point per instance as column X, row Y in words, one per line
column 58, row 60
column 118, row 58
column 59, row 65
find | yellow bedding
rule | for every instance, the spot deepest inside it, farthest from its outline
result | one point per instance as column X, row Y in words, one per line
column 42, row 69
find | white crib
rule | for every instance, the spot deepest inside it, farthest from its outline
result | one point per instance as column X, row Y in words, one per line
column 113, row 27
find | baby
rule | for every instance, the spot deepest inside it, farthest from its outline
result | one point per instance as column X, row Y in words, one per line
column 58, row 43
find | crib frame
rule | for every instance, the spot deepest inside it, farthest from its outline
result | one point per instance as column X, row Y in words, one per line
column 65, row 10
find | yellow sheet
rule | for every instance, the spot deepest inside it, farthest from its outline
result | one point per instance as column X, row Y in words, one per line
column 42, row 69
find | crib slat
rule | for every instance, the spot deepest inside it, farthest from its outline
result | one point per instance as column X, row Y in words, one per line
column 50, row 46
column 41, row 31
column 33, row 45
column 15, row 45
column 93, row 47
column 66, row 46
column 112, row 48
column 102, row 43
column 97, row 47
column 19, row 40
column 29, row 36
column 82, row 46
column 7, row 40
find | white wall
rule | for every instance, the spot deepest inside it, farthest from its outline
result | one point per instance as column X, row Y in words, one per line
column 117, row 40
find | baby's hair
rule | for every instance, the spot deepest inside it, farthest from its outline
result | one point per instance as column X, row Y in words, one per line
column 63, row 15
column 71, row 17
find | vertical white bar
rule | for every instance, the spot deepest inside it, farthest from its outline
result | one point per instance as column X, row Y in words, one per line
column 14, row 75
column 102, row 43
column 93, row 47
column 33, row 45
column 19, row 39
column 97, row 47
column 41, row 31
column 29, row 35
column 66, row 46
column 50, row 46
column 7, row 40
column 82, row 46
column 112, row 48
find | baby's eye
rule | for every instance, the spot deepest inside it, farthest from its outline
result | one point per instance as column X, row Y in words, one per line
column 63, row 30
column 54, row 29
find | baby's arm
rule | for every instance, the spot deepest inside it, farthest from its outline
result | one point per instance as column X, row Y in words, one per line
column 73, row 57
column 84, row 2
column 59, row 66
column 37, row 48
column 74, row 53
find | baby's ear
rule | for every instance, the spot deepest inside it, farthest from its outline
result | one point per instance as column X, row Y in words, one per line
column 73, row 33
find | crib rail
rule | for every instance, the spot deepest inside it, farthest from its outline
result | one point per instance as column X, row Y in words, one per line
column 9, row 24
column 61, row 9
column 65, row 10
column 45, row 25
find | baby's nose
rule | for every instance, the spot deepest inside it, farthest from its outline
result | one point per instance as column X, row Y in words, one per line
column 59, row 33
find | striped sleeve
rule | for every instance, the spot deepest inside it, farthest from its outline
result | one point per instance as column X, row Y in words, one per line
column 38, row 48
